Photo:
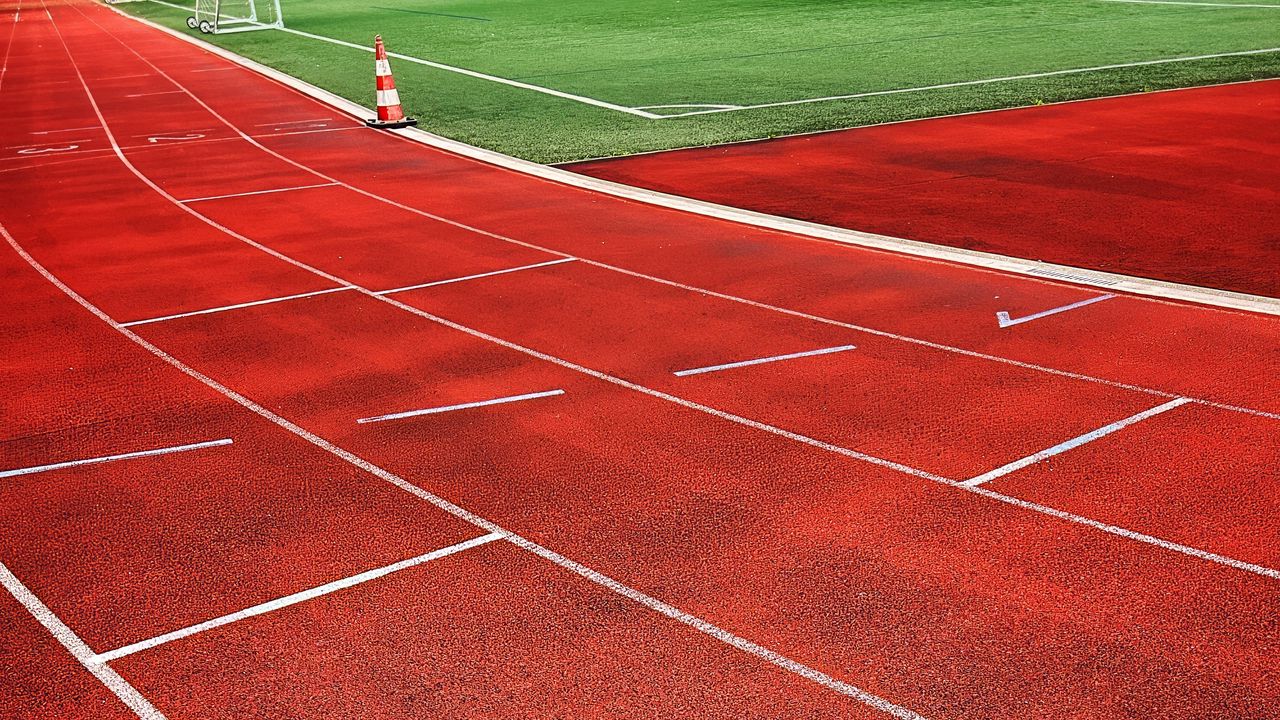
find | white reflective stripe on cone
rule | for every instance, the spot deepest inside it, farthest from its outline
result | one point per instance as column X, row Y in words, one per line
column 388, row 97
column 382, row 67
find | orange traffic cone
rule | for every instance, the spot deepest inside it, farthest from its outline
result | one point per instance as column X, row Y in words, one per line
column 390, row 113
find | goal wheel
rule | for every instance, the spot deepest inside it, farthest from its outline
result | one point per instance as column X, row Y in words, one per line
column 206, row 27
column 191, row 23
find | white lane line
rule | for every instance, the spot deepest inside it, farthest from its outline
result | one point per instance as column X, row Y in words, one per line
column 985, row 81
column 258, row 192
column 1005, row 321
column 462, row 406
column 237, row 306
column 49, row 132
column 120, row 77
column 289, row 122
column 294, row 599
column 113, row 458
column 458, row 70
column 1202, row 4
column 475, row 277
column 158, row 92
column 761, row 361
column 1075, row 442
column 217, row 69
column 120, row 687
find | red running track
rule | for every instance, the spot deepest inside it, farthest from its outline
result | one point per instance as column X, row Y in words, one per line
column 791, row 539
column 1179, row 186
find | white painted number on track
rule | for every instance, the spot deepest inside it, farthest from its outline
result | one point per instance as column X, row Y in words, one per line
column 1005, row 321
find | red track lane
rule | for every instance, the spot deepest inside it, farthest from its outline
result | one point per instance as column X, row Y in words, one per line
column 60, row 688
column 944, row 601
column 1176, row 186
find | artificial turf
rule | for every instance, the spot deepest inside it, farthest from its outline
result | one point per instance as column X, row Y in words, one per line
column 660, row 52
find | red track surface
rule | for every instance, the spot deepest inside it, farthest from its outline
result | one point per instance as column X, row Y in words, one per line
column 777, row 535
column 1179, row 186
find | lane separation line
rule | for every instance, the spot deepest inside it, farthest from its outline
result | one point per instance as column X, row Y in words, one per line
column 1005, row 321
column 258, row 192
column 294, row 599
column 1075, row 442
column 461, row 406
column 1198, row 4
column 763, row 360
column 67, row 637
column 237, row 306
column 114, row 458
column 474, row 277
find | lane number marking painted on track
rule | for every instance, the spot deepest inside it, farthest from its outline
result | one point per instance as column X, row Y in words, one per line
column 174, row 138
column 42, row 150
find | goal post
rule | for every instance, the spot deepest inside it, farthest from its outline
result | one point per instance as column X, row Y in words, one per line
column 229, row 16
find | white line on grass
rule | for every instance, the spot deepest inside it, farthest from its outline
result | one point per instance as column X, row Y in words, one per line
column 113, row 458
column 1017, row 502
column 237, row 306
column 1075, row 442
column 475, row 277
column 969, row 83
column 120, row 687
column 258, row 192
column 1201, row 4
column 761, row 361
column 461, row 406
column 459, row 70
column 294, row 599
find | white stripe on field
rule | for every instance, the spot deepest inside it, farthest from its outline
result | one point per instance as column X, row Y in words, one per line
column 474, row 277
column 294, row 599
column 113, row 458
column 459, row 70
column 258, row 192
column 237, row 306
column 987, row 81
column 120, row 687
column 463, row 406
column 1202, row 4
column 759, row 361
column 1075, row 442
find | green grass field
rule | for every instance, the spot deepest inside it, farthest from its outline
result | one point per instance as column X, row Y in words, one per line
column 645, row 53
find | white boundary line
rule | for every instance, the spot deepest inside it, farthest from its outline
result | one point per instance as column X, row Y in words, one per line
column 1003, row 319
column 747, row 422
column 294, row 599
column 763, row 360
column 1200, row 4
column 988, row 261
column 477, row 276
column 67, row 637
column 237, row 306
column 113, row 458
column 459, row 70
column 257, row 192
column 460, row 406
column 985, row 81
column 1074, row 442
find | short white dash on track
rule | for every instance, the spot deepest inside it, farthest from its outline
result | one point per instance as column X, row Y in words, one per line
column 76, row 129
column 761, row 361
column 291, row 122
column 113, row 458
column 258, row 192
column 462, row 406
column 474, row 277
column 237, row 306
column 295, row 598
column 1075, row 442
column 1005, row 321
column 158, row 92
column 218, row 69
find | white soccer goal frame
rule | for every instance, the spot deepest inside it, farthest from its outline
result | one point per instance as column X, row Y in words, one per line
column 210, row 18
